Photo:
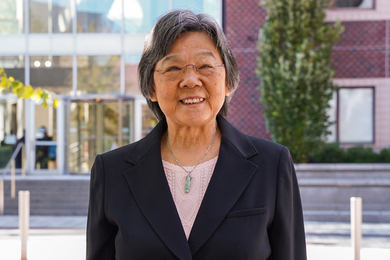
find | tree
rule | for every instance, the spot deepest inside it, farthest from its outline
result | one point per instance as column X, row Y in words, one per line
column 26, row 92
column 295, row 74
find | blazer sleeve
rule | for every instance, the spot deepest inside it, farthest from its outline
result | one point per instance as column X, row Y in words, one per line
column 100, row 232
column 287, row 234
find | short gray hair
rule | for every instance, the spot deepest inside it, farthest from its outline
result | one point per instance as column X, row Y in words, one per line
column 164, row 33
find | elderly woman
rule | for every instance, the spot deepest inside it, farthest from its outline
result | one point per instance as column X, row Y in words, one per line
column 195, row 187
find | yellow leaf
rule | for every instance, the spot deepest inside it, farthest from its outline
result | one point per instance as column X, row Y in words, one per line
column 55, row 102
column 17, row 87
column 27, row 92
column 11, row 79
column 36, row 94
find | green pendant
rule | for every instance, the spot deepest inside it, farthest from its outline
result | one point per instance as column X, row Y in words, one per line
column 188, row 181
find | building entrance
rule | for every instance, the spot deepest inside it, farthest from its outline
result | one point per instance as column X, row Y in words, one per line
column 97, row 126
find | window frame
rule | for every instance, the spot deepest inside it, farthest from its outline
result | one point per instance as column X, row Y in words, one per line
column 338, row 116
column 334, row 7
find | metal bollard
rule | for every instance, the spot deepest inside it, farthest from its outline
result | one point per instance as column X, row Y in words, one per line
column 1, row 197
column 23, row 162
column 356, row 226
column 24, row 221
column 13, row 179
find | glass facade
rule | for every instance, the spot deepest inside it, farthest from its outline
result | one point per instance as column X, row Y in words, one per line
column 11, row 111
column 11, row 16
column 87, row 53
column 99, row 16
column 50, row 16
column 131, row 80
column 98, row 74
column 140, row 16
column 13, row 67
column 52, row 72
column 46, row 137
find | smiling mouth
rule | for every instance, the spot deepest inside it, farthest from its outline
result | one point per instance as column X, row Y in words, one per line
column 192, row 101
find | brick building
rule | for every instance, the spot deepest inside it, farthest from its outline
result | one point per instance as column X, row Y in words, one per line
column 361, row 107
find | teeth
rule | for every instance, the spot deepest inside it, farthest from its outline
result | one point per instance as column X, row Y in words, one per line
column 192, row 101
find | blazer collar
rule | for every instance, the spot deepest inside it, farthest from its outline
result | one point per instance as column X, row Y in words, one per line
column 150, row 188
column 232, row 174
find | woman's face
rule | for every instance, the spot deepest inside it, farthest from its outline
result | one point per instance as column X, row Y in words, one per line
column 191, row 98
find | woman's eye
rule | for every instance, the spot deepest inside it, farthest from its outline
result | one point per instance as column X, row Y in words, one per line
column 173, row 68
column 205, row 66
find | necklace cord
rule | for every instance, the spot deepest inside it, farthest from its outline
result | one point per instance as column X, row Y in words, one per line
column 189, row 172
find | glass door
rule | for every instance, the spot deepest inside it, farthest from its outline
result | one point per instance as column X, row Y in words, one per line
column 97, row 126
column 46, row 136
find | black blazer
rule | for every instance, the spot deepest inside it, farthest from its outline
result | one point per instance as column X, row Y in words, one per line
column 251, row 209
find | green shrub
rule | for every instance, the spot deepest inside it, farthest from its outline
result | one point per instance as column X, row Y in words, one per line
column 333, row 153
column 328, row 153
column 5, row 155
column 384, row 155
column 360, row 154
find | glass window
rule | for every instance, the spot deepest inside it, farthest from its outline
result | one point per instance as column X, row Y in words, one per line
column 140, row 16
column 13, row 67
column 50, row 16
column 99, row 16
column 356, row 115
column 211, row 7
column 11, row 16
column 11, row 130
column 355, row 3
column 97, row 126
column 149, row 121
column 52, row 72
column 131, row 76
column 98, row 74
column 196, row 5
column 46, row 136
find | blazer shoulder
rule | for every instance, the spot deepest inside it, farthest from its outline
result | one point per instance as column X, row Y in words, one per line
column 265, row 144
column 269, row 149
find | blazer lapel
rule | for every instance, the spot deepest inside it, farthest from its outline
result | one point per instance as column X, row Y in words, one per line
column 150, row 189
column 229, row 180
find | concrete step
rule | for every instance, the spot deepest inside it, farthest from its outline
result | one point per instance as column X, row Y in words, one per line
column 53, row 196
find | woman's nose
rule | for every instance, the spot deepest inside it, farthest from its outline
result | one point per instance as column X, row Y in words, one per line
column 190, row 78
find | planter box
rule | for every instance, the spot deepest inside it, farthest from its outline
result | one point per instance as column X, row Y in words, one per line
column 326, row 190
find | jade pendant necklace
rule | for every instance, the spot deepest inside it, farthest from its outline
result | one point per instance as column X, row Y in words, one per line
column 189, row 177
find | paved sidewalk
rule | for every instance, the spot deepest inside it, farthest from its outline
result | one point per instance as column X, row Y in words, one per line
column 63, row 238
column 54, row 222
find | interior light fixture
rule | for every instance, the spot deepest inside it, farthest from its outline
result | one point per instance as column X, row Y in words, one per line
column 48, row 63
column 37, row 63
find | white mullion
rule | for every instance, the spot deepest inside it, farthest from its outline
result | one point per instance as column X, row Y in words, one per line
column 122, row 55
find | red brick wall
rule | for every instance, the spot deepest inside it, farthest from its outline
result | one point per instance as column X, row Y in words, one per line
column 360, row 53
column 243, row 19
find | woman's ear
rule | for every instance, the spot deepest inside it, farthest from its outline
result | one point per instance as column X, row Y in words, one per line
column 153, row 97
column 227, row 91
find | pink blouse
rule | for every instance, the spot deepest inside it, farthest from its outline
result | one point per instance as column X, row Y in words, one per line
column 188, row 204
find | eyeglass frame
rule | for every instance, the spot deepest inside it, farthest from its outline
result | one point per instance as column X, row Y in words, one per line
column 193, row 65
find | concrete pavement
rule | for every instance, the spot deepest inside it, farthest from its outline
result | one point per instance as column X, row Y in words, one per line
column 63, row 238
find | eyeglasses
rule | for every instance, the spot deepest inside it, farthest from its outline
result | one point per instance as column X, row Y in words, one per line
column 175, row 72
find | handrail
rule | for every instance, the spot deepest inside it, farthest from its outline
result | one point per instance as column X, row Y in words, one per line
column 14, row 154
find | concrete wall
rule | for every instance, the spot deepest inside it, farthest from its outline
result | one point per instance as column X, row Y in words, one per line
column 326, row 190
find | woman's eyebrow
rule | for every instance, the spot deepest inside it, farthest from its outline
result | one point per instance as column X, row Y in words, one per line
column 206, row 53
column 171, row 57
column 177, row 57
